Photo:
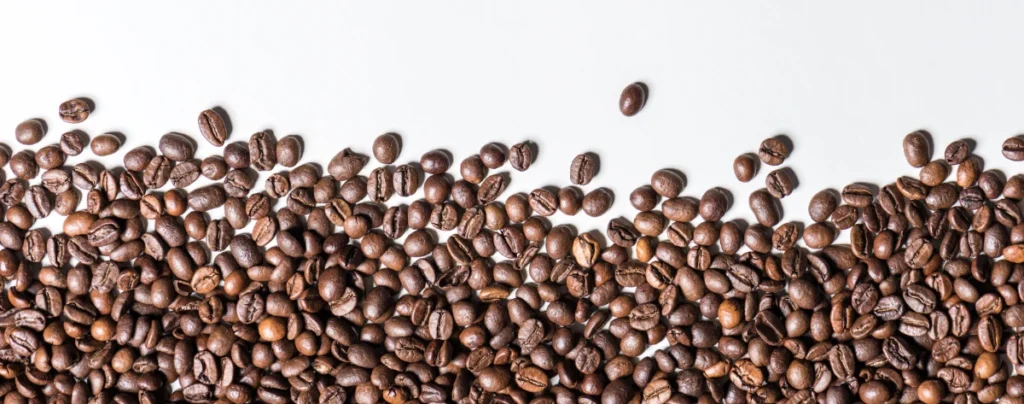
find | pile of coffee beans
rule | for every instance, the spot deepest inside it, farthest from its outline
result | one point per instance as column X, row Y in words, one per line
column 181, row 278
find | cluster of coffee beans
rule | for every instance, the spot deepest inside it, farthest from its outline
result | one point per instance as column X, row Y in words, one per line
column 312, row 288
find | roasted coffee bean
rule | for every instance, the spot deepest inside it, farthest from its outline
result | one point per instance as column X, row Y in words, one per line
column 49, row 157
column 926, row 286
column 744, row 167
column 75, row 110
column 779, row 183
column 773, row 151
column 386, row 148
column 632, row 99
column 30, row 131
column 72, row 143
column 262, row 150
column 105, row 145
column 917, row 148
column 597, row 202
column 176, row 147
column 213, row 127
column 289, row 150
column 583, row 169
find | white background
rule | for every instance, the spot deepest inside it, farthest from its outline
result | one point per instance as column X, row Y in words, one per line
column 845, row 83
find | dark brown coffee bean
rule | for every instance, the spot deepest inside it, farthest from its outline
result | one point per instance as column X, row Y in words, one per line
column 213, row 127
column 75, row 110
column 176, row 147
column 1013, row 149
column 105, row 145
column 263, row 150
column 30, row 132
column 386, row 148
column 773, row 151
column 633, row 99
column 520, row 156
column 744, row 167
column 822, row 205
column 583, row 168
column 597, row 202
column 779, row 183
column 917, row 148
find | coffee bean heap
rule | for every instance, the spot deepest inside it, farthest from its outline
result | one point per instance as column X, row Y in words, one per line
column 143, row 296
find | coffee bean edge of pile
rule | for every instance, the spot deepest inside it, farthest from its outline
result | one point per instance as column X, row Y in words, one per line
column 319, row 303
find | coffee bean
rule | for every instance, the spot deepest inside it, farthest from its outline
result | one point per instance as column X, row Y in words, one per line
column 773, row 151
column 917, row 148
column 386, row 148
column 262, row 150
column 30, row 132
column 713, row 204
column 633, row 99
column 520, row 156
column 176, row 147
column 105, row 145
column 213, row 127
column 75, row 110
column 597, row 202
column 583, row 169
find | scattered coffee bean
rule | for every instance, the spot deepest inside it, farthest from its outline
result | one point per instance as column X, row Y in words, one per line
column 75, row 110
column 386, row 148
column 633, row 99
column 213, row 127
column 176, row 147
column 773, row 151
column 72, row 143
column 155, row 295
column 520, row 156
column 917, row 148
column 744, row 167
column 583, row 169
column 30, row 132
column 105, row 145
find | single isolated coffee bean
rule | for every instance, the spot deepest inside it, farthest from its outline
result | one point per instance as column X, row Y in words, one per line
column 75, row 110
column 386, row 148
column 633, row 99
column 213, row 127
column 583, row 169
